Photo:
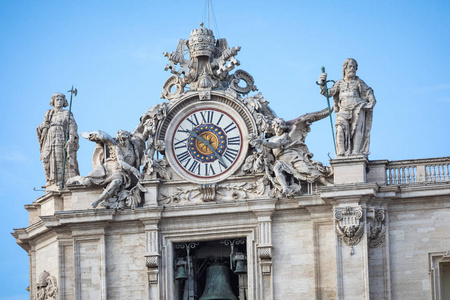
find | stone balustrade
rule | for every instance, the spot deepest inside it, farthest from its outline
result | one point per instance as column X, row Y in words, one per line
column 406, row 172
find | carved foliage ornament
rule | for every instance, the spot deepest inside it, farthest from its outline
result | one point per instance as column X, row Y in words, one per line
column 210, row 192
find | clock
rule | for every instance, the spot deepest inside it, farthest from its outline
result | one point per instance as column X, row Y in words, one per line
column 205, row 142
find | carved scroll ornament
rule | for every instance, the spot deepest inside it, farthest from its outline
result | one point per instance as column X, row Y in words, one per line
column 377, row 230
column 349, row 226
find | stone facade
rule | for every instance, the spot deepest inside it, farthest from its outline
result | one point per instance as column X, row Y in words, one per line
column 294, row 248
column 236, row 189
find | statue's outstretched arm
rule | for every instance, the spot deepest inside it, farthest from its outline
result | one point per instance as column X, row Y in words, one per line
column 98, row 136
column 274, row 144
column 309, row 117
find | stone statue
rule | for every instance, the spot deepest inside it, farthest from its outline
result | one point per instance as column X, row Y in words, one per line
column 291, row 155
column 150, row 121
column 46, row 287
column 58, row 124
column 353, row 105
column 116, row 162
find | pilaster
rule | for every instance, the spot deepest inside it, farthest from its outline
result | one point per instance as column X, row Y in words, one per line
column 153, row 253
column 89, row 248
column 264, row 211
column 322, row 227
column 352, row 261
column 65, row 263
column 360, row 226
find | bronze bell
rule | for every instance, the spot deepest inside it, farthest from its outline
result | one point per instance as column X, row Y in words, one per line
column 218, row 285
column 240, row 268
column 181, row 270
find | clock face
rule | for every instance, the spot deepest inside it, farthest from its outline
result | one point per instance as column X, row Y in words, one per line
column 206, row 144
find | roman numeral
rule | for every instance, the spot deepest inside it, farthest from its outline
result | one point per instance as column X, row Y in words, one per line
column 183, row 156
column 195, row 167
column 194, row 120
column 182, row 130
column 231, row 154
column 230, row 127
column 209, row 169
column 181, row 144
column 220, row 119
column 222, row 165
column 207, row 116
column 234, row 141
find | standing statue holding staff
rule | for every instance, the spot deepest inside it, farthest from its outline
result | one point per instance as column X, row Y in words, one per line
column 57, row 133
column 353, row 105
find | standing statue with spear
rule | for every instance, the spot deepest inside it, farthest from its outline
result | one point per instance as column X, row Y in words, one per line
column 353, row 105
column 58, row 141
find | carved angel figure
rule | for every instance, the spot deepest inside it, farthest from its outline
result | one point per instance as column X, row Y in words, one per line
column 292, row 156
column 116, row 162
column 52, row 141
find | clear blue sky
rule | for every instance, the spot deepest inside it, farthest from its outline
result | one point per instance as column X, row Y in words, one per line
column 112, row 52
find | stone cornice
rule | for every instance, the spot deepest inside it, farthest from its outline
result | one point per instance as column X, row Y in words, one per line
column 349, row 160
column 348, row 190
column 424, row 190
column 25, row 235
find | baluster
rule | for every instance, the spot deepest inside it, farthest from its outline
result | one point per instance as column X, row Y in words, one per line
column 414, row 170
column 433, row 173
column 396, row 172
column 389, row 175
column 447, row 173
column 436, row 171
column 427, row 174
column 438, row 175
column 411, row 174
column 408, row 174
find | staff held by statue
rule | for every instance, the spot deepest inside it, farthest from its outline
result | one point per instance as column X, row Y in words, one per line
column 323, row 86
column 73, row 92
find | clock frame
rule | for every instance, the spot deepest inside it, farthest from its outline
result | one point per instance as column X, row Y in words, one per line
column 206, row 141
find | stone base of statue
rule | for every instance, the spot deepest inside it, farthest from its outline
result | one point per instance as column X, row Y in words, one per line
column 351, row 169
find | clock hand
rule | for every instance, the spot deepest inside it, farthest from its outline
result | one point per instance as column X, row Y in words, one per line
column 194, row 134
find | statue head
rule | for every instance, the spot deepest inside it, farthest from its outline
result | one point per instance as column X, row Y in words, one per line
column 350, row 65
column 59, row 95
column 279, row 126
column 122, row 136
column 42, row 279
